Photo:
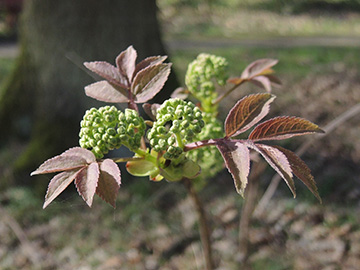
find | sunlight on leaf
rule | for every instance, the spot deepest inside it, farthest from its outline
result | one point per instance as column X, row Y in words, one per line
column 283, row 127
column 73, row 158
column 259, row 67
column 58, row 184
column 149, row 61
column 278, row 161
column 301, row 170
column 126, row 61
column 108, row 72
column 149, row 81
column 247, row 112
column 109, row 181
column 86, row 182
column 237, row 160
column 104, row 91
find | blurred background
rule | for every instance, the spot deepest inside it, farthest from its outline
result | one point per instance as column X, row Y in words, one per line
column 42, row 47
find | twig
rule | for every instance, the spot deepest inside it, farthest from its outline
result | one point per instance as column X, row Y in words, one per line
column 204, row 229
column 270, row 191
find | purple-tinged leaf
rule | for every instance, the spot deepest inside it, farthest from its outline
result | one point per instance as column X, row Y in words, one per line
column 104, row 91
column 80, row 152
column 151, row 110
column 263, row 82
column 237, row 160
column 109, row 181
column 86, row 182
column 149, row 61
column 258, row 67
column 247, row 112
column 108, row 72
column 149, row 81
column 273, row 79
column 283, row 127
column 180, row 92
column 58, row 184
column 126, row 61
column 278, row 161
column 69, row 160
column 301, row 170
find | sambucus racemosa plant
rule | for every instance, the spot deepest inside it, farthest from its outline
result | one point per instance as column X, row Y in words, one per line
column 182, row 138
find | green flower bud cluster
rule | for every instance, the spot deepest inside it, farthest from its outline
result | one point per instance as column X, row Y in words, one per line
column 108, row 128
column 177, row 123
column 201, row 72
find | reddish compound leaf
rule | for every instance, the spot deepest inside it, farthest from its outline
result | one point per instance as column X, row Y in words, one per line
column 73, row 158
column 149, row 61
column 278, row 161
column 259, row 67
column 86, row 182
column 80, row 152
column 247, row 112
column 108, row 72
column 149, row 81
column 104, row 91
column 126, row 62
column 109, row 181
column 263, row 82
column 273, row 79
column 237, row 160
column 58, row 184
column 283, row 127
column 301, row 170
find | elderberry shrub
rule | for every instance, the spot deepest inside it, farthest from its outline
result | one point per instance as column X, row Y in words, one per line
column 107, row 128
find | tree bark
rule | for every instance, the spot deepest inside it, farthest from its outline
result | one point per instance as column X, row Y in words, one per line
column 43, row 100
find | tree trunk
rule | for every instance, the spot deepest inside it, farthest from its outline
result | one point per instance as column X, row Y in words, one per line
column 44, row 101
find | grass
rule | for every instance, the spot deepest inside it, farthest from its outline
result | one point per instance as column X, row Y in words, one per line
column 255, row 19
column 293, row 62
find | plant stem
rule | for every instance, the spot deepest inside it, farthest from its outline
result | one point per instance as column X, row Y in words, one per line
column 204, row 229
column 221, row 97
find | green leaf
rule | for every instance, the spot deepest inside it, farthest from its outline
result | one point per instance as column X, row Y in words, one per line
column 191, row 169
column 283, row 127
column 301, row 170
column 109, row 181
column 58, row 184
column 247, row 112
column 237, row 160
column 86, row 182
column 140, row 167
